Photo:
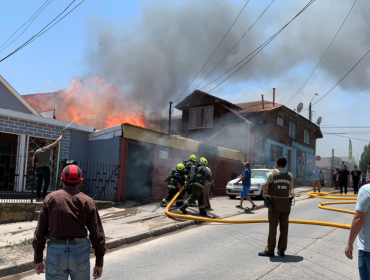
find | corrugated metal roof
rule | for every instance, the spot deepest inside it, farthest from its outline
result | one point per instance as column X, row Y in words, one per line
column 256, row 106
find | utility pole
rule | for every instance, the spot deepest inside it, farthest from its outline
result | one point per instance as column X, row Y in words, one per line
column 169, row 118
column 309, row 108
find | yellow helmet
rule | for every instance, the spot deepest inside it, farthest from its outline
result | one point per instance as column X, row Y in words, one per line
column 193, row 158
column 180, row 167
column 203, row 160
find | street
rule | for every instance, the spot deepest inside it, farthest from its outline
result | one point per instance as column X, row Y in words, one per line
column 224, row 251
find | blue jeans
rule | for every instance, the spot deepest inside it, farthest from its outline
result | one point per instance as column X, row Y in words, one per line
column 364, row 264
column 68, row 260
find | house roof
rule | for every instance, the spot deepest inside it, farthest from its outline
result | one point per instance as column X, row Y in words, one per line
column 197, row 94
column 256, row 106
column 18, row 96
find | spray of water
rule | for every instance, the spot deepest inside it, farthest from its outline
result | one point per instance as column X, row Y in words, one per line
column 92, row 116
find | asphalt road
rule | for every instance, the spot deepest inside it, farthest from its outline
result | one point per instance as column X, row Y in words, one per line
column 229, row 251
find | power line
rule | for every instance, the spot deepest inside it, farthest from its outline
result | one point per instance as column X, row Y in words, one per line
column 330, row 90
column 235, row 45
column 349, row 137
column 323, row 146
column 37, row 13
column 346, row 127
column 325, row 143
column 256, row 51
column 213, row 51
column 323, row 54
column 41, row 32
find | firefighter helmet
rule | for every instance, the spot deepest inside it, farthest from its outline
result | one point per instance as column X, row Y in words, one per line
column 180, row 167
column 203, row 160
column 193, row 158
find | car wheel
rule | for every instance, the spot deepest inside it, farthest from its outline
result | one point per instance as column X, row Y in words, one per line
column 232, row 196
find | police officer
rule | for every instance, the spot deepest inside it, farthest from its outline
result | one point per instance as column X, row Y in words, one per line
column 197, row 178
column 174, row 178
column 276, row 189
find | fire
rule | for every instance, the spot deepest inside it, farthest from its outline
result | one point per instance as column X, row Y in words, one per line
column 102, row 104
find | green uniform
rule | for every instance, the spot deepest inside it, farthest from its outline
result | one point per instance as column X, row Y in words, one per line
column 279, row 185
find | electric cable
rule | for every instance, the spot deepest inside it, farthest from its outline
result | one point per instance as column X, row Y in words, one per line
column 345, row 19
column 214, row 50
column 256, row 51
column 234, row 45
column 368, row 141
column 323, row 146
column 37, row 13
column 41, row 32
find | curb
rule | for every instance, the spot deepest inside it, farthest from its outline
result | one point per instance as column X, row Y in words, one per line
column 9, row 270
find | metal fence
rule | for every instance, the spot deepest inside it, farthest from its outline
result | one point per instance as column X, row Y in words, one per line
column 18, row 179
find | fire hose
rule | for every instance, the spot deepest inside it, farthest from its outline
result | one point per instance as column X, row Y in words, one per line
column 352, row 198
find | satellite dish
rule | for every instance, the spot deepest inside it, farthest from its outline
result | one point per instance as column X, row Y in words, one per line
column 299, row 107
column 319, row 120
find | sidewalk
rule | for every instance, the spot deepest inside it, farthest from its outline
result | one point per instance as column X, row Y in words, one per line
column 124, row 224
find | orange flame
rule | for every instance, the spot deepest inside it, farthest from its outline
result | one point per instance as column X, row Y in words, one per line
column 102, row 105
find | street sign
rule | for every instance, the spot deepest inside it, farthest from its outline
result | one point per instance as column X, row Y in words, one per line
column 318, row 158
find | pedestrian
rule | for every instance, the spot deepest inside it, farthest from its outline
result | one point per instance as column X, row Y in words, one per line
column 277, row 187
column 336, row 178
column 64, row 219
column 316, row 178
column 343, row 179
column 322, row 180
column 361, row 228
column 356, row 175
column 207, row 188
column 197, row 179
column 363, row 179
column 174, row 179
column 246, row 180
column 41, row 160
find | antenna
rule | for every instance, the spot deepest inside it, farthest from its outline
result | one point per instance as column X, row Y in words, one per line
column 299, row 107
column 319, row 120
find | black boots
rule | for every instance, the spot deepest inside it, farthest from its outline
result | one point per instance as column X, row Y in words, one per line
column 203, row 213
column 183, row 208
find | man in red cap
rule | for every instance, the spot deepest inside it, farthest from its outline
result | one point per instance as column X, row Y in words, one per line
column 65, row 217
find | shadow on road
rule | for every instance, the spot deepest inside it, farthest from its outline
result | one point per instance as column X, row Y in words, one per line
column 287, row 259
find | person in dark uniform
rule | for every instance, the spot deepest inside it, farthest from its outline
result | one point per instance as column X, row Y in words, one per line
column 356, row 175
column 276, row 189
column 188, row 164
column 343, row 179
column 174, row 178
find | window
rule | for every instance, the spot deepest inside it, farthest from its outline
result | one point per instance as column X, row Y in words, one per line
column 259, row 174
column 306, row 137
column 292, row 127
column 275, row 152
column 201, row 117
column 280, row 121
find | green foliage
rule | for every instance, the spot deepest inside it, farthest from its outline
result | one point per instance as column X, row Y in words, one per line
column 364, row 161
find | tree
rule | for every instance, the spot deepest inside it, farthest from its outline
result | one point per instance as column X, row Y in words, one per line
column 364, row 161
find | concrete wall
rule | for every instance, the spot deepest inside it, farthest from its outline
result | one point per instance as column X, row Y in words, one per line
column 16, row 212
column 9, row 101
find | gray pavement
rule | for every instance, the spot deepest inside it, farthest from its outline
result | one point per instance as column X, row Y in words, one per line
column 229, row 251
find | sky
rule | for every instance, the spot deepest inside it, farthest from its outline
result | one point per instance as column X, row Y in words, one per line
column 152, row 49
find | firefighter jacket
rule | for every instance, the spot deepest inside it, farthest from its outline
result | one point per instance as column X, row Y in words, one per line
column 202, row 175
column 175, row 179
column 188, row 164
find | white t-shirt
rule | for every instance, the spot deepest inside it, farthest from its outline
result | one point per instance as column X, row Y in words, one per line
column 363, row 204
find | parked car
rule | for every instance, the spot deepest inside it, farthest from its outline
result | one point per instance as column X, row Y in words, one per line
column 257, row 179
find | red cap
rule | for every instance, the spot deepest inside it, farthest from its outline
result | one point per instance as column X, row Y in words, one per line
column 72, row 174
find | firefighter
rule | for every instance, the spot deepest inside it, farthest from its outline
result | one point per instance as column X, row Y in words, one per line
column 196, row 180
column 174, row 178
column 188, row 164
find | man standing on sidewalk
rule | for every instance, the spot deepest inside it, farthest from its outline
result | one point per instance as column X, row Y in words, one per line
column 361, row 228
column 343, row 179
column 246, row 179
column 316, row 178
column 41, row 160
column 64, row 217
column 356, row 175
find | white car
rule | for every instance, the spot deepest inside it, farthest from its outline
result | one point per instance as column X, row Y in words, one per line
column 257, row 179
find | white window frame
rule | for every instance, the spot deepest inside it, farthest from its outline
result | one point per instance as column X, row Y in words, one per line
column 279, row 121
column 195, row 123
column 292, row 129
column 306, row 137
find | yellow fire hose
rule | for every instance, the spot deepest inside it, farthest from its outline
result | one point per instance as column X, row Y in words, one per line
column 353, row 199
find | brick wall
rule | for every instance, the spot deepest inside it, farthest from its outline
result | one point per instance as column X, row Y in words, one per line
column 13, row 125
